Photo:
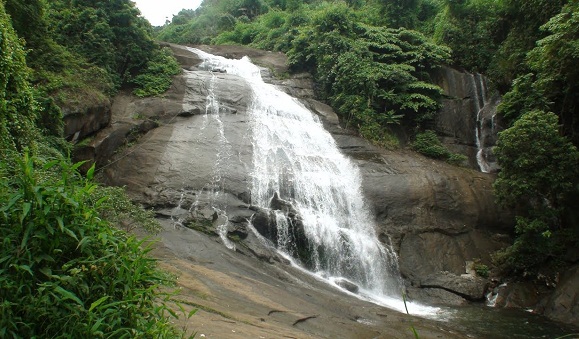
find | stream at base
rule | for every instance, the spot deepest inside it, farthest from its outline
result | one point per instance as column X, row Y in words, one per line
column 480, row 321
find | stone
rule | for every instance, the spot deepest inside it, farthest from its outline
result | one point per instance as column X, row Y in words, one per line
column 563, row 304
column 464, row 95
column 523, row 295
column 85, row 121
column 347, row 285
column 467, row 286
column 435, row 296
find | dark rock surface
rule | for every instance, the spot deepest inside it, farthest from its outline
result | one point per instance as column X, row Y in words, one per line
column 86, row 121
column 563, row 304
column 464, row 95
column 468, row 286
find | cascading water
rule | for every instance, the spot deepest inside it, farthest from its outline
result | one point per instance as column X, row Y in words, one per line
column 297, row 164
column 214, row 189
column 485, row 130
column 480, row 101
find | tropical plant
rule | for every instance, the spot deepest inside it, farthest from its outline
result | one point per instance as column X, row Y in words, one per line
column 538, row 177
column 66, row 272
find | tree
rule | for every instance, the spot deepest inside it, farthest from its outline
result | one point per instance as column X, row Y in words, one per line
column 540, row 169
column 552, row 81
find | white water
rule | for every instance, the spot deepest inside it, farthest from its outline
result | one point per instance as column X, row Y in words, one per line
column 213, row 190
column 297, row 159
column 481, row 100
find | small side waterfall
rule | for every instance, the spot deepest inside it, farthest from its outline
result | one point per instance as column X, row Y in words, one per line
column 485, row 130
column 311, row 193
column 213, row 190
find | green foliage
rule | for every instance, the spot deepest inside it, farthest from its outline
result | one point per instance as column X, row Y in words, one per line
column 520, row 22
column 18, row 109
column 427, row 143
column 373, row 76
column 481, row 270
column 158, row 74
column 539, row 165
column 64, row 271
column 109, row 34
column 116, row 207
column 538, row 177
column 555, row 62
column 469, row 28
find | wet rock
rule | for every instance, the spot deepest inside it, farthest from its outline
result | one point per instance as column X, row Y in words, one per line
column 516, row 295
column 467, row 286
column 435, row 296
column 435, row 215
column 464, row 94
column 347, row 285
column 265, row 225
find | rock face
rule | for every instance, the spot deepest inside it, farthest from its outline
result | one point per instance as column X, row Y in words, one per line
column 563, row 304
column 194, row 166
column 86, row 121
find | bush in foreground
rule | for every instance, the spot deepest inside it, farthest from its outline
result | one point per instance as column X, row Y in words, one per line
column 64, row 271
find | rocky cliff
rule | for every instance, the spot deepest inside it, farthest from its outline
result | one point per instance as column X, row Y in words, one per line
column 439, row 218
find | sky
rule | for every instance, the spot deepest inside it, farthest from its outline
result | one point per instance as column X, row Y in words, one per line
column 156, row 11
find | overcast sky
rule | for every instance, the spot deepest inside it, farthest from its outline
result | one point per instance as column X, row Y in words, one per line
column 156, row 11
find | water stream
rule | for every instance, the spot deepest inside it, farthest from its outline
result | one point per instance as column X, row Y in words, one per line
column 297, row 163
column 486, row 128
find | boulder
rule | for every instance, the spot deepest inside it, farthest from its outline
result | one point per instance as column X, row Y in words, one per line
column 467, row 286
column 347, row 285
column 563, row 304
column 523, row 295
column 86, row 121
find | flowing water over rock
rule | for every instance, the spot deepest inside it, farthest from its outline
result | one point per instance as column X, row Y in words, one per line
column 485, row 131
column 194, row 165
column 310, row 192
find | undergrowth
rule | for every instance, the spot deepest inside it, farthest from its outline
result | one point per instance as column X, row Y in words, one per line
column 65, row 272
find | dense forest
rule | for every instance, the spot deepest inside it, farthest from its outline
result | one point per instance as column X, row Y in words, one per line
column 371, row 60
column 66, row 269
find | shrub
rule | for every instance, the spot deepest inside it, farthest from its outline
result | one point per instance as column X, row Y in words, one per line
column 481, row 270
column 427, row 143
column 64, row 271
column 157, row 76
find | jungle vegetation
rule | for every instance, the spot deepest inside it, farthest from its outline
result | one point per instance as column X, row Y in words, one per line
column 67, row 270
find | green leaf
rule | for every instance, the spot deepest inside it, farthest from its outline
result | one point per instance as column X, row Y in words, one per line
column 25, row 210
column 67, row 295
column 97, row 303
column 90, row 172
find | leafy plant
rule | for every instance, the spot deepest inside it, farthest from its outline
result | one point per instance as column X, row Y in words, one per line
column 18, row 109
column 65, row 272
column 157, row 76
column 427, row 143
column 481, row 270
column 538, row 177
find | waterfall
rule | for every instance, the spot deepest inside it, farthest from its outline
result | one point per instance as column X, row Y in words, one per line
column 214, row 189
column 311, row 191
column 486, row 126
column 480, row 101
